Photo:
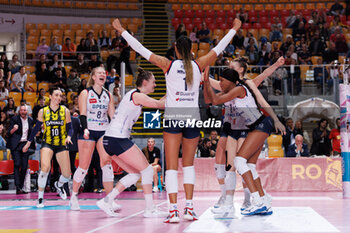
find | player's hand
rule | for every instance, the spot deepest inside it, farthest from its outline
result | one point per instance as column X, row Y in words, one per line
column 26, row 147
column 68, row 141
column 236, row 24
column 86, row 134
column 280, row 128
column 280, row 61
column 117, row 26
column 15, row 127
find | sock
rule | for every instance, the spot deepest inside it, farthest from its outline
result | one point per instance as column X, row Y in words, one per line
column 149, row 201
column 173, row 206
column 111, row 196
column 223, row 190
column 41, row 194
column 229, row 200
column 246, row 195
column 189, row 203
column 74, row 193
column 256, row 198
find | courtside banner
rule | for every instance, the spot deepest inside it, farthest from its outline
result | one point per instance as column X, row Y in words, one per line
column 344, row 99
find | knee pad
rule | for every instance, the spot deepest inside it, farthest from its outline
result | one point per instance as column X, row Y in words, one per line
column 129, row 179
column 230, row 180
column 63, row 179
column 252, row 168
column 107, row 173
column 241, row 165
column 171, row 181
column 189, row 175
column 42, row 179
column 79, row 175
column 147, row 175
column 220, row 170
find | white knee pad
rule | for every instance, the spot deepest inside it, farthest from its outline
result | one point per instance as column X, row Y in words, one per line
column 63, row 179
column 130, row 179
column 107, row 173
column 241, row 165
column 230, row 180
column 42, row 179
column 220, row 170
column 189, row 175
column 252, row 167
column 147, row 175
column 171, row 181
column 79, row 175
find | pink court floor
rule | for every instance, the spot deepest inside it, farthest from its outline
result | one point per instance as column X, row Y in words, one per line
column 293, row 212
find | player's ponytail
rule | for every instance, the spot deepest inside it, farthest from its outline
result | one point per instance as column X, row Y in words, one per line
column 143, row 75
column 184, row 46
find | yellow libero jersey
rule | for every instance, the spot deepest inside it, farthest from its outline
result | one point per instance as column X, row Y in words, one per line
column 55, row 132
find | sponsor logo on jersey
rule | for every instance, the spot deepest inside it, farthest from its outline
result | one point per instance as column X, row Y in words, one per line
column 54, row 123
column 180, row 93
column 151, row 120
column 184, row 99
column 99, row 106
column 92, row 101
column 181, row 72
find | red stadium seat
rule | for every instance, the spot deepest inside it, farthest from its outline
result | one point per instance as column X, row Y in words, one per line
column 306, row 12
column 178, row 13
column 209, row 20
column 200, row 13
column 264, row 13
column 221, row 13
column 212, row 26
column 189, row 13
column 187, row 20
column 175, row 21
column 252, row 13
column 264, row 20
column 224, row 26
column 197, row 20
column 253, row 19
column 189, row 27
column 284, row 12
column 231, row 13
column 33, row 166
column 6, row 167
column 257, row 26
column 210, row 13
column 273, row 14
column 220, row 20
column 245, row 26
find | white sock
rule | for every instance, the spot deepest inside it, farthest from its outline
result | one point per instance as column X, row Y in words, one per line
column 223, row 190
column 74, row 193
column 229, row 200
column 149, row 201
column 256, row 198
column 41, row 194
column 189, row 203
column 173, row 206
column 111, row 196
column 246, row 195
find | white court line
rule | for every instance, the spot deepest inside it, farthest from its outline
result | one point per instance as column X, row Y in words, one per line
column 122, row 219
column 273, row 198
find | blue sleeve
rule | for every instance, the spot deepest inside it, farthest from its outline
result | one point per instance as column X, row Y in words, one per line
column 35, row 130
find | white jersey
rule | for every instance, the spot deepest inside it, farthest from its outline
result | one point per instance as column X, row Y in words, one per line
column 247, row 108
column 182, row 99
column 232, row 116
column 97, row 110
column 124, row 117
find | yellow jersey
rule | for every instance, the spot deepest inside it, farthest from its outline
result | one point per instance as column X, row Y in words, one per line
column 55, row 132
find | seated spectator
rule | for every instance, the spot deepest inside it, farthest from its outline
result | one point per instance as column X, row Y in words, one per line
column 70, row 48
column 229, row 51
column 14, row 64
column 317, row 46
column 2, row 140
column 251, row 42
column 110, row 78
column 334, row 136
column 80, row 65
column 94, row 62
column 6, row 72
column 92, row 48
column 42, row 74
column 336, row 8
column 304, row 56
column 124, row 57
column 298, row 129
column 4, row 119
column 81, row 47
column 24, row 103
column 82, row 86
column 194, row 35
column 54, row 47
column 42, row 93
column 37, row 107
column 238, row 40
column 248, row 40
column 276, row 30
column 117, row 37
column 263, row 40
column 42, row 59
column 206, row 149
column 74, row 106
column 104, row 41
column 291, row 54
column 331, row 54
column 3, row 58
column 116, row 83
column 170, row 53
column 204, row 34
column 298, row 149
column 152, row 154
column 299, row 32
column 285, row 45
column 321, row 144
column 180, row 31
column 73, row 80
column 264, row 56
column 277, row 77
column 58, row 80
column 90, row 39
column 4, row 93
column 10, row 108
column 214, row 138
column 291, row 19
column 42, row 48
column 294, row 80
column 18, row 83
column 276, row 52
column 54, row 63
column 339, row 39
column 252, row 54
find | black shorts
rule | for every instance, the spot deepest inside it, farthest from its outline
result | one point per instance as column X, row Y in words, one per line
column 187, row 132
column 55, row 149
column 93, row 136
column 225, row 130
column 237, row 134
column 264, row 124
column 116, row 146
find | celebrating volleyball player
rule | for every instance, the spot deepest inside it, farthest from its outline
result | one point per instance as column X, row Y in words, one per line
column 57, row 134
column 247, row 101
column 182, row 82
column 96, row 106
column 117, row 145
column 232, row 137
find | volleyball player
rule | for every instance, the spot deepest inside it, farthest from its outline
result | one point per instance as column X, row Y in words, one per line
column 116, row 144
column 182, row 82
column 260, row 126
column 57, row 134
column 96, row 107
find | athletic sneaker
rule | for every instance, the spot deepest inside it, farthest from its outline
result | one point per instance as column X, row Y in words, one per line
column 155, row 189
column 40, row 203
column 106, row 208
column 256, row 208
column 220, row 202
column 268, row 211
column 226, row 211
column 73, row 203
column 189, row 214
column 116, row 206
column 173, row 217
column 268, row 202
column 245, row 205
column 61, row 191
column 154, row 213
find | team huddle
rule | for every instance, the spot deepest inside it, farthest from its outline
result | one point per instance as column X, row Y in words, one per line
column 244, row 130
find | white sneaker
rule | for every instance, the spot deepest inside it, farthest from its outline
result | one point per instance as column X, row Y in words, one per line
column 173, row 217
column 226, row 211
column 116, row 206
column 220, row 202
column 61, row 191
column 189, row 214
column 155, row 189
column 255, row 208
column 73, row 203
column 268, row 200
column 40, row 203
column 245, row 205
column 106, row 208
column 154, row 213
column 222, row 209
